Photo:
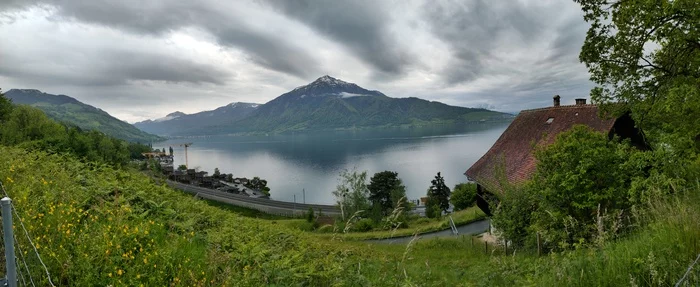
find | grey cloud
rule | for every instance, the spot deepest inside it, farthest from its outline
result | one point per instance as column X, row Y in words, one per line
column 361, row 26
column 159, row 17
column 111, row 68
column 472, row 29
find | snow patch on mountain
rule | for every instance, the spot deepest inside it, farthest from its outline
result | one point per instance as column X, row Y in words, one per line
column 170, row 117
column 351, row 95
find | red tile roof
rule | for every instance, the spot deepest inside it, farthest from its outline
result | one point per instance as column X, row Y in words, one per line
column 512, row 156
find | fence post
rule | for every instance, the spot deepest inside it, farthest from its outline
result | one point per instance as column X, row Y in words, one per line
column 6, row 203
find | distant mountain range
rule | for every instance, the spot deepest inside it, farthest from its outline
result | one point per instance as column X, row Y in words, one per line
column 327, row 103
column 70, row 111
column 177, row 122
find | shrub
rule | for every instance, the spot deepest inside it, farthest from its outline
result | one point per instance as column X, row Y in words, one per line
column 362, row 225
column 580, row 177
column 463, row 196
column 310, row 217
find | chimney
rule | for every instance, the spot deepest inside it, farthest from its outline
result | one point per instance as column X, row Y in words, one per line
column 580, row 102
column 557, row 100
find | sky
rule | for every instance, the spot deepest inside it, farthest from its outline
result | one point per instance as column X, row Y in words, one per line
column 141, row 60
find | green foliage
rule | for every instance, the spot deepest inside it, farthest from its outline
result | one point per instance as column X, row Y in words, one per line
column 644, row 57
column 439, row 193
column 363, row 225
column 69, row 111
column 513, row 217
column 5, row 107
column 94, row 224
column 580, row 176
column 31, row 128
column 432, row 207
column 352, row 194
column 310, row 217
column 217, row 173
column 386, row 192
column 463, row 196
column 182, row 167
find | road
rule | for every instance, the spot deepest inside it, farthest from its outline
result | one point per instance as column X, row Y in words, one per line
column 468, row 229
column 265, row 205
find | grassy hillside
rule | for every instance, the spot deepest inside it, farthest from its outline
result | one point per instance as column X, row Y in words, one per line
column 93, row 224
column 73, row 112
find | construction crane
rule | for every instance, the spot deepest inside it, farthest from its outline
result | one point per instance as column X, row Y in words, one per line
column 186, row 145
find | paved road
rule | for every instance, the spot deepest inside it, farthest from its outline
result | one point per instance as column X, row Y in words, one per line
column 261, row 204
column 468, row 229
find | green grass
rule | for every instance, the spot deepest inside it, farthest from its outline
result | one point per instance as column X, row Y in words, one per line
column 418, row 226
column 247, row 212
column 95, row 225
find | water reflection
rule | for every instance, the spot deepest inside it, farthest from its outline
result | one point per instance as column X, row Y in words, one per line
column 313, row 160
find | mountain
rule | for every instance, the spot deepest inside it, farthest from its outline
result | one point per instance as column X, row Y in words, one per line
column 178, row 121
column 68, row 110
column 329, row 103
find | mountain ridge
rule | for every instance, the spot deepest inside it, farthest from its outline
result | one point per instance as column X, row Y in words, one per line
column 229, row 113
column 71, row 111
column 330, row 103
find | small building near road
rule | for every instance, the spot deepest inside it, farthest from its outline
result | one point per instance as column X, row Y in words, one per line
column 511, row 159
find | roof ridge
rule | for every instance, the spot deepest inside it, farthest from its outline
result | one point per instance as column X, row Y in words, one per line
column 560, row 107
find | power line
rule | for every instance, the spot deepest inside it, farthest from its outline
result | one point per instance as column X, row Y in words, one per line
column 14, row 210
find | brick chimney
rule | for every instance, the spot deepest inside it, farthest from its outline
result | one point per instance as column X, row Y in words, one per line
column 557, row 100
column 580, row 102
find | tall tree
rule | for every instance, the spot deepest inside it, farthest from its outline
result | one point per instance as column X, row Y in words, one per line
column 5, row 107
column 439, row 193
column 386, row 191
column 644, row 56
column 351, row 193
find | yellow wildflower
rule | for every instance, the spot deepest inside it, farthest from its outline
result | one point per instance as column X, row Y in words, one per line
column 120, row 272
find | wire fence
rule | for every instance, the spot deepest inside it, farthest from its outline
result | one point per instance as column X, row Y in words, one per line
column 20, row 262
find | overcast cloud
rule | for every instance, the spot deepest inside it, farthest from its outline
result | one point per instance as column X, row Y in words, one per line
column 144, row 59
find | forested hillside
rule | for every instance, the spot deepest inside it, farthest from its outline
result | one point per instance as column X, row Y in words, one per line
column 70, row 111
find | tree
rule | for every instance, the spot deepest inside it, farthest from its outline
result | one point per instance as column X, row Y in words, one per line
column 644, row 57
column 463, row 196
column 182, row 167
column 5, row 107
column 386, row 192
column 217, row 173
column 439, row 192
column 351, row 193
column 581, row 176
column 171, row 151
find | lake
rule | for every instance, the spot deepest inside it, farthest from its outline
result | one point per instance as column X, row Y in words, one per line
column 312, row 161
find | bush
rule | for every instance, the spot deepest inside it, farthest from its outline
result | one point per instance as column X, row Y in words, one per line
column 463, row 196
column 512, row 217
column 326, row 228
column 362, row 225
column 310, row 217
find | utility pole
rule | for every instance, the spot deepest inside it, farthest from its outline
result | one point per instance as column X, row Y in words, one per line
column 303, row 193
column 294, row 212
column 186, row 145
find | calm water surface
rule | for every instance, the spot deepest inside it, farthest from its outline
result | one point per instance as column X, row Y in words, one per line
column 311, row 161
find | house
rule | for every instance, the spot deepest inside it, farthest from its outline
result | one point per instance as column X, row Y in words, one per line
column 511, row 160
